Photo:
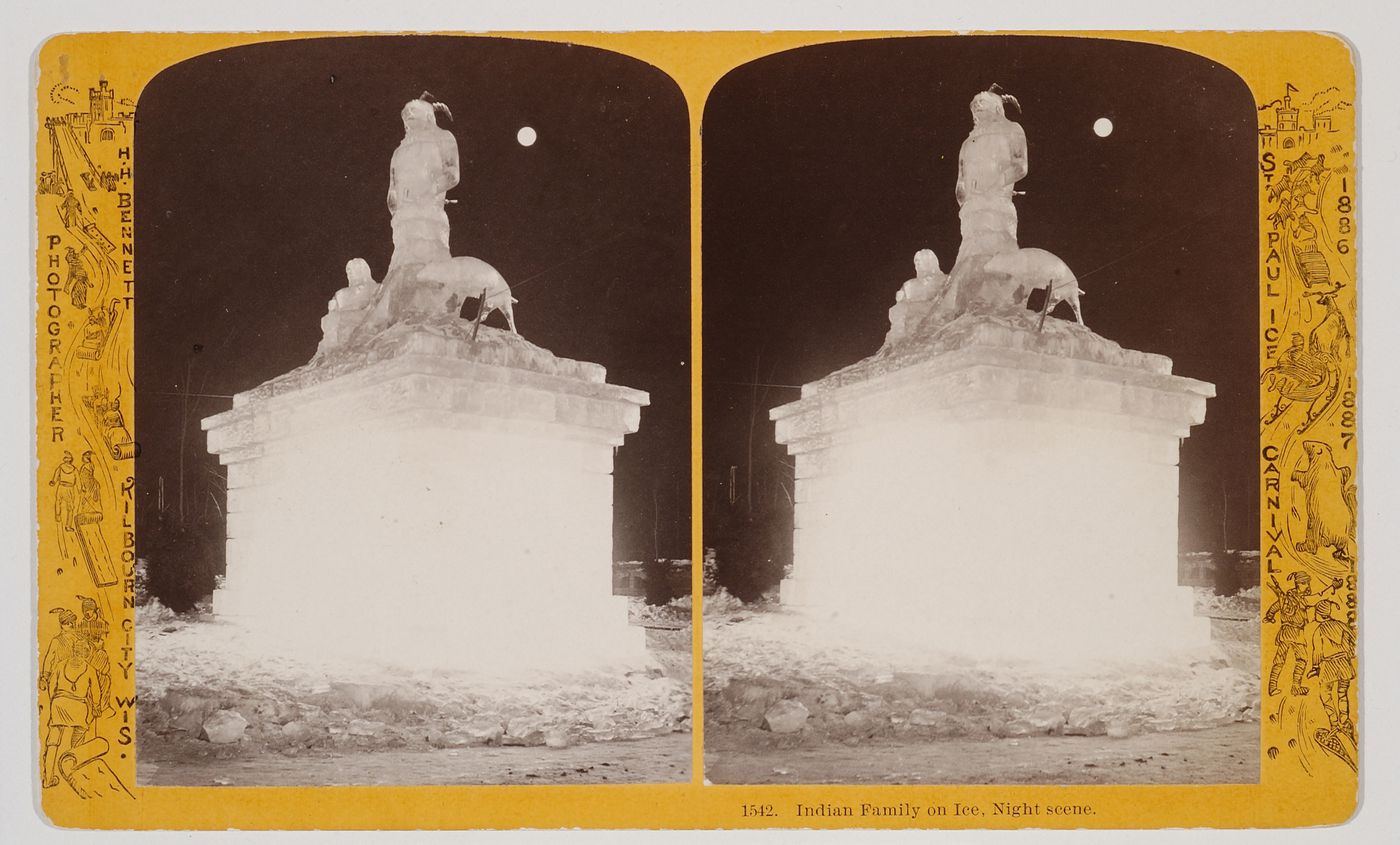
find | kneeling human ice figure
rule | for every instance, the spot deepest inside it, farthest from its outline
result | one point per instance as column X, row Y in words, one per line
column 916, row 297
column 349, row 307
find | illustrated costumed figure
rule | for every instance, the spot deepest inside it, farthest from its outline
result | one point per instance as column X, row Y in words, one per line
column 1329, row 498
column 94, row 628
column 65, row 480
column 70, row 210
column 89, row 490
column 76, row 285
column 88, row 525
column 60, row 647
column 99, row 324
column 1291, row 608
column 73, row 704
column 1333, row 664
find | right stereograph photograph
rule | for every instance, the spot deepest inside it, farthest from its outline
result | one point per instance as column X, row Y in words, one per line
column 981, row 416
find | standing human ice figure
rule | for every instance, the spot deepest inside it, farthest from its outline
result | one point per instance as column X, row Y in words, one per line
column 423, row 169
column 992, row 160
column 990, row 163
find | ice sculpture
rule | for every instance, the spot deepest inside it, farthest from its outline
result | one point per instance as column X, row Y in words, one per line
column 993, row 482
column 428, row 490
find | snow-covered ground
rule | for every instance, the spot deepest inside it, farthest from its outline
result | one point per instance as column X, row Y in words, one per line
column 758, row 657
column 199, row 678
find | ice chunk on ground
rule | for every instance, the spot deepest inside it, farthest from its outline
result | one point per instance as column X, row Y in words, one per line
column 756, row 656
column 189, row 670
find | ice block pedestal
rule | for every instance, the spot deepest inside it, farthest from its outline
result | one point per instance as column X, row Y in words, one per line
column 992, row 489
column 430, row 500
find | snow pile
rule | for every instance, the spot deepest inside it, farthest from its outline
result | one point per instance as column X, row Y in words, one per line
column 753, row 660
column 189, row 671
column 673, row 615
column 153, row 616
column 1242, row 605
column 723, row 605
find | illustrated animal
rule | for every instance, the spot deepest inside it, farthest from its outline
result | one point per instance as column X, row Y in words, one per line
column 1329, row 496
column 1038, row 269
column 467, row 278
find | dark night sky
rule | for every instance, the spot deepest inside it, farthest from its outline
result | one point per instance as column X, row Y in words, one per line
column 826, row 168
column 263, row 169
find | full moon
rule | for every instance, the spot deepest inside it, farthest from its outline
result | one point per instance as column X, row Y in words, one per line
column 526, row 136
column 1103, row 127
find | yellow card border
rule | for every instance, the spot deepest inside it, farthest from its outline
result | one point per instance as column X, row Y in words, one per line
column 1287, row 794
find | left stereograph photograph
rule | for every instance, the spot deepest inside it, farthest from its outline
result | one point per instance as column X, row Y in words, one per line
column 411, row 389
